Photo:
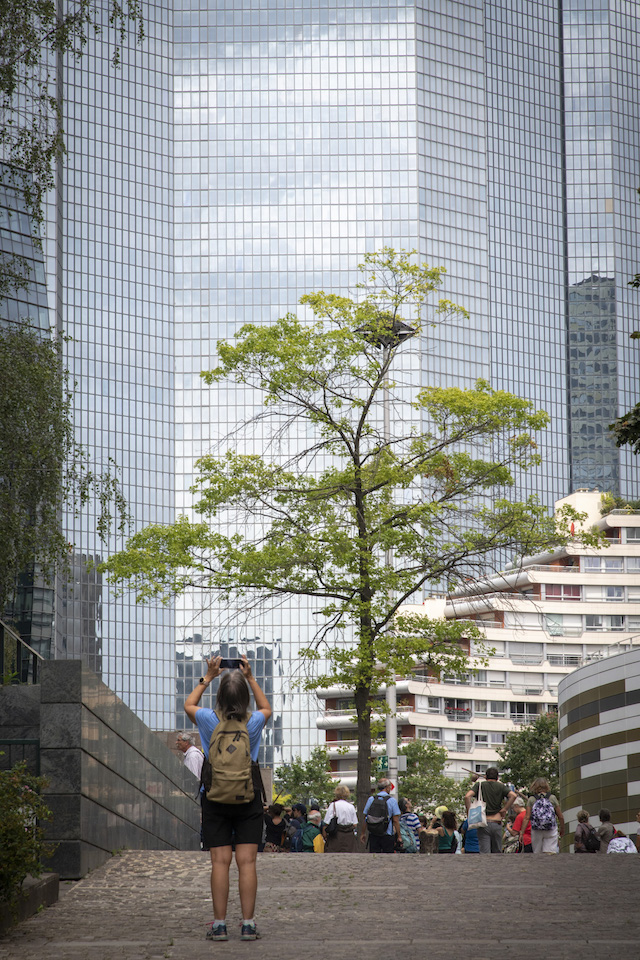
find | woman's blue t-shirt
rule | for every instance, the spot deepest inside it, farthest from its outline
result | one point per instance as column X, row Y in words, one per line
column 207, row 720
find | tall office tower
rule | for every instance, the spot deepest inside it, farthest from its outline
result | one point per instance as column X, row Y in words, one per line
column 250, row 151
column 109, row 257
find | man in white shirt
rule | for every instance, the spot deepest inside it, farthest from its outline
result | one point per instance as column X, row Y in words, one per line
column 193, row 758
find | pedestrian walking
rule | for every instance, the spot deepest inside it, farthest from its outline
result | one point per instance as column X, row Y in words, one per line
column 239, row 818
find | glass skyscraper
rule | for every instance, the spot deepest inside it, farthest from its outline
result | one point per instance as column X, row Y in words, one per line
column 250, row 151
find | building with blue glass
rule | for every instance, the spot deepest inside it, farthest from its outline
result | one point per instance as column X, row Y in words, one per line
column 250, row 151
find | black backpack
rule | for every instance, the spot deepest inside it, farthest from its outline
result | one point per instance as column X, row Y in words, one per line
column 591, row 841
column 377, row 817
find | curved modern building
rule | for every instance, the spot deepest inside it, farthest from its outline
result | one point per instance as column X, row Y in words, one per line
column 599, row 722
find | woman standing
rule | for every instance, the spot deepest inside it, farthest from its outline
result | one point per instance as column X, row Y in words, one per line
column 545, row 816
column 275, row 826
column 410, row 819
column 514, row 829
column 448, row 842
column 344, row 840
column 224, row 823
column 585, row 835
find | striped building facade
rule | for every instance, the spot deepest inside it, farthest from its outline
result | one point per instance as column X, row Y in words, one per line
column 599, row 721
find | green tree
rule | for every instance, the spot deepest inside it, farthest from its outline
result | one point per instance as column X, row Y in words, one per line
column 424, row 781
column 22, row 844
column 325, row 520
column 532, row 752
column 42, row 468
column 626, row 429
column 302, row 779
column 35, row 37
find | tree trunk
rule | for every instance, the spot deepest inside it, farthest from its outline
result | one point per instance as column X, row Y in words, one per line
column 363, row 790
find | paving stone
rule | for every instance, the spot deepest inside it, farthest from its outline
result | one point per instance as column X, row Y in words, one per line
column 144, row 905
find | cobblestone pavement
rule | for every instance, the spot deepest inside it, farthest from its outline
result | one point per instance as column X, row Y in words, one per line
column 143, row 905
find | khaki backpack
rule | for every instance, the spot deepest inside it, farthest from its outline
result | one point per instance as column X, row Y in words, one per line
column 230, row 759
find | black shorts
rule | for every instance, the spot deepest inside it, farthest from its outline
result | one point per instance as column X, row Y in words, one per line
column 223, row 823
column 385, row 844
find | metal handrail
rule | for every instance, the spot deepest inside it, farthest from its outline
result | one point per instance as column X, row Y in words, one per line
column 36, row 657
column 16, row 636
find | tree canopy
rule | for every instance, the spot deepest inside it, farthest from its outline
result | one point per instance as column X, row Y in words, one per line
column 424, row 782
column 626, row 429
column 42, row 469
column 34, row 38
column 303, row 780
column 532, row 752
column 357, row 517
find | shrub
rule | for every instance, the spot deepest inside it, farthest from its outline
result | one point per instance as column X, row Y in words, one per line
column 22, row 844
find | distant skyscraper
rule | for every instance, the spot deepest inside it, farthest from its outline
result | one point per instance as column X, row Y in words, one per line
column 253, row 150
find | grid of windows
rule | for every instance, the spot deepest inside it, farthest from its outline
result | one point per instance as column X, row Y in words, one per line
column 108, row 248
column 253, row 150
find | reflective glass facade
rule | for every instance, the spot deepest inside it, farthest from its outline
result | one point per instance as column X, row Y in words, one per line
column 31, row 611
column 109, row 247
column 253, row 150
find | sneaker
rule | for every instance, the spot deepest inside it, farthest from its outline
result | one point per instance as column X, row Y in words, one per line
column 217, row 932
column 249, row 932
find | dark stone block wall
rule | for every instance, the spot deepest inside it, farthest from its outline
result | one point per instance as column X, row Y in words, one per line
column 113, row 784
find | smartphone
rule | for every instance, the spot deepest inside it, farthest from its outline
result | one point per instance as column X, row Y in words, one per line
column 231, row 663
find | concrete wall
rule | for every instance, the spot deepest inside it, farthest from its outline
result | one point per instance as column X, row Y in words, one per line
column 112, row 782
column 599, row 724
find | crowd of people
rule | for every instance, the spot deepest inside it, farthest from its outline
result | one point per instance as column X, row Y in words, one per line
column 513, row 823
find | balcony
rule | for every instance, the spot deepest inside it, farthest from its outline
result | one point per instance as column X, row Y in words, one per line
column 523, row 717
column 459, row 746
column 564, row 660
column 458, row 713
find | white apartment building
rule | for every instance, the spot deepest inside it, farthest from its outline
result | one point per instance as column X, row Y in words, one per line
column 551, row 614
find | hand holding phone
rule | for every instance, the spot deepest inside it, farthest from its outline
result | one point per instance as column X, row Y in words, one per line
column 230, row 663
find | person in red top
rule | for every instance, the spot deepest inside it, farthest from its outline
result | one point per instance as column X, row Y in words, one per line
column 514, row 829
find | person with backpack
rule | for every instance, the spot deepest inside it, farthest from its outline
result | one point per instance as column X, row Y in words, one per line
column 498, row 799
column 545, row 816
column 382, row 820
column 585, row 839
column 409, row 826
column 232, row 808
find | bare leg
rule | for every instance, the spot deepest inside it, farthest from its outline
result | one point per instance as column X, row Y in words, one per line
column 246, row 854
column 220, row 863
